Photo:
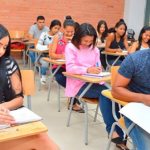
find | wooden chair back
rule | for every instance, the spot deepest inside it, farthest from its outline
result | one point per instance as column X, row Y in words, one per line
column 16, row 34
column 27, row 82
column 114, row 70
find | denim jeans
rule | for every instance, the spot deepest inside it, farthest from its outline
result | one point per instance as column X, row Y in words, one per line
column 44, row 66
column 61, row 79
column 139, row 136
column 118, row 63
column 105, row 105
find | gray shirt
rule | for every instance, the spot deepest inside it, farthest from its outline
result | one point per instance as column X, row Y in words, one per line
column 34, row 30
column 137, row 68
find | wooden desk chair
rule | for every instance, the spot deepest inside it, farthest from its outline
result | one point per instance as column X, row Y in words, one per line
column 119, row 122
column 85, row 101
column 18, row 35
column 28, row 85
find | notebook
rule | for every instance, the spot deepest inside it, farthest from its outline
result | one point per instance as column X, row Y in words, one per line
column 22, row 115
column 102, row 74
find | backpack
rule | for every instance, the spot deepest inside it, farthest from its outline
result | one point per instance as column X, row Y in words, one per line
column 130, row 33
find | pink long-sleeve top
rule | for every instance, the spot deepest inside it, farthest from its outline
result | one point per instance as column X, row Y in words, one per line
column 77, row 62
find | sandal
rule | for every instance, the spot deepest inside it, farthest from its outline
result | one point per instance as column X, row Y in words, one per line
column 119, row 143
column 75, row 108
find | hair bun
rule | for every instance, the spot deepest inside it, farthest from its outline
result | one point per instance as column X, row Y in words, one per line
column 121, row 20
column 68, row 17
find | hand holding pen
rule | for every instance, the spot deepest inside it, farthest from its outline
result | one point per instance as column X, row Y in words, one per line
column 119, row 49
column 94, row 70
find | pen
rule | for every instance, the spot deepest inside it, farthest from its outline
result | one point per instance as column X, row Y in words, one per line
column 119, row 46
column 97, row 64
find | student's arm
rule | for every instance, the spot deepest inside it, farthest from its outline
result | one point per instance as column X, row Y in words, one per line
column 126, row 42
column 122, row 79
column 108, row 43
column 40, row 45
column 17, row 87
column 53, row 47
column 134, row 47
column 31, row 33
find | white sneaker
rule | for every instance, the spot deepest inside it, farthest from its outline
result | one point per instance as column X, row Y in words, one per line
column 43, row 80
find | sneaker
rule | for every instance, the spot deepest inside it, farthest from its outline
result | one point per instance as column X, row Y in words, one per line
column 43, row 80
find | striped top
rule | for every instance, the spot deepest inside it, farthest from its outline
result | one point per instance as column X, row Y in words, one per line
column 11, row 67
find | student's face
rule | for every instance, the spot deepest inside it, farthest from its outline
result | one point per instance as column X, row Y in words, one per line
column 69, row 31
column 102, row 28
column 120, row 30
column 3, row 45
column 146, row 36
column 40, row 24
column 86, row 41
column 55, row 29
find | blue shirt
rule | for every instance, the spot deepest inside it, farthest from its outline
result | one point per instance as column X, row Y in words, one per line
column 137, row 68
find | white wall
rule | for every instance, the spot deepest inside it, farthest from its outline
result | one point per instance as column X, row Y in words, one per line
column 134, row 15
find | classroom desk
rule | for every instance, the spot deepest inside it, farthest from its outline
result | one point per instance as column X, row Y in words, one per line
column 90, row 81
column 114, row 54
column 24, row 130
column 59, row 63
column 38, row 53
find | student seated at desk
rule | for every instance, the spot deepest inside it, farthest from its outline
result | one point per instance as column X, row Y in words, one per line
column 116, row 42
column 132, row 84
column 102, row 32
column 143, row 40
column 11, row 97
column 45, row 42
column 83, row 57
column 58, row 52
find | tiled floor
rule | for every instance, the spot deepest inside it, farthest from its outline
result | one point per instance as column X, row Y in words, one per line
column 72, row 137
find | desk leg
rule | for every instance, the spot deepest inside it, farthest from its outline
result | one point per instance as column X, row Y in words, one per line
column 50, row 81
column 29, row 102
column 116, row 60
column 24, row 57
column 37, row 55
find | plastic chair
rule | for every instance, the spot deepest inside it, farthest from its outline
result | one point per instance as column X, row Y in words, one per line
column 28, row 85
column 18, row 35
column 119, row 122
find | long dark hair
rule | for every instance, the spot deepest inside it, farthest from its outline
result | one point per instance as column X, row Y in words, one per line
column 105, row 33
column 143, row 30
column 84, row 29
column 118, row 24
column 5, row 90
column 54, row 23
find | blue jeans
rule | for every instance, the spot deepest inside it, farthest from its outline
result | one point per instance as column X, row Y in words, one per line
column 61, row 79
column 118, row 63
column 105, row 105
column 44, row 66
column 139, row 136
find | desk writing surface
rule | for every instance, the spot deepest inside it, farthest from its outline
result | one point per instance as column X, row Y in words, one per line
column 53, row 61
column 115, row 54
column 39, row 51
column 24, row 130
column 87, row 79
column 108, row 94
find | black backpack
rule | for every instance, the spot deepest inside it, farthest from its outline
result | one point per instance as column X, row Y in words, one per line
column 130, row 33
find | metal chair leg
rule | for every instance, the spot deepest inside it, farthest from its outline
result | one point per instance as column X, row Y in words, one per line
column 49, row 88
column 96, row 113
column 29, row 101
column 58, row 94
column 110, row 136
column 69, row 116
column 39, row 78
column 24, row 55
column 86, row 123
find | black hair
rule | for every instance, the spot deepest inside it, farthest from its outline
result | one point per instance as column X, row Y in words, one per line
column 54, row 23
column 118, row 24
column 68, row 22
column 5, row 90
column 77, row 25
column 143, row 30
column 84, row 29
column 40, row 18
column 105, row 33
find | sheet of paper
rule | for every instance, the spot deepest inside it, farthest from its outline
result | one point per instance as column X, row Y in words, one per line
column 60, row 60
column 138, row 113
column 102, row 74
